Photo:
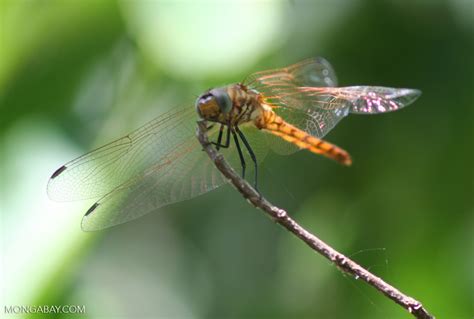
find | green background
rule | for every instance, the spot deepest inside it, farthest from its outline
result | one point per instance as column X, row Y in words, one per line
column 76, row 74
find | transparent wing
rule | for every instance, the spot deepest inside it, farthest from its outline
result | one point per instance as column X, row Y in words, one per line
column 319, row 109
column 182, row 174
column 98, row 172
column 315, row 72
column 156, row 165
column 276, row 86
column 358, row 99
column 303, row 94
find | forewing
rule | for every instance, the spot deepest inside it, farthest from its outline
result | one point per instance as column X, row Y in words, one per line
column 98, row 172
column 183, row 173
column 313, row 72
column 156, row 165
column 279, row 87
column 304, row 95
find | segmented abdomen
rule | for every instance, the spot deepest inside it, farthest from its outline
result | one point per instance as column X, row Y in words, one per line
column 275, row 125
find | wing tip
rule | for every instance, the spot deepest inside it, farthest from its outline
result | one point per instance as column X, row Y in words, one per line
column 85, row 225
column 49, row 188
column 406, row 97
column 330, row 76
column 412, row 95
column 58, row 172
column 91, row 209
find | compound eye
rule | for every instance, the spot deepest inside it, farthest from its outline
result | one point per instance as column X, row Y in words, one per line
column 223, row 100
column 207, row 106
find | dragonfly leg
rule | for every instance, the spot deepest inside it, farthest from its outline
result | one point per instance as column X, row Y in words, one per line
column 219, row 138
column 219, row 144
column 252, row 154
column 239, row 150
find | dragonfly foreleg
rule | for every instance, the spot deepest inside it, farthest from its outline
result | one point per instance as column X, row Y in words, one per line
column 251, row 153
column 219, row 144
column 239, row 150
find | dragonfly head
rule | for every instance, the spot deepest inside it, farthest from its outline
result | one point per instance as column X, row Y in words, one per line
column 214, row 104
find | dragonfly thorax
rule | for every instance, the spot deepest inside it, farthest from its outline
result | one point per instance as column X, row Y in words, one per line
column 232, row 104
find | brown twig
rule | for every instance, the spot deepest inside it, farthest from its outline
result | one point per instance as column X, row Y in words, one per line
column 281, row 217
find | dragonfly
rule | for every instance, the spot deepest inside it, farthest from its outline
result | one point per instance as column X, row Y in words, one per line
column 160, row 163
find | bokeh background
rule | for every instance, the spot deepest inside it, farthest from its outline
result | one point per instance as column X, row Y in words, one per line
column 76, row 74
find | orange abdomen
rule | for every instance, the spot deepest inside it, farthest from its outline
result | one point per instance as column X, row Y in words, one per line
column 274, row 124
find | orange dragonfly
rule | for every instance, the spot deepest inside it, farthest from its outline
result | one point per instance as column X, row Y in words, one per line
column 162, row 162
